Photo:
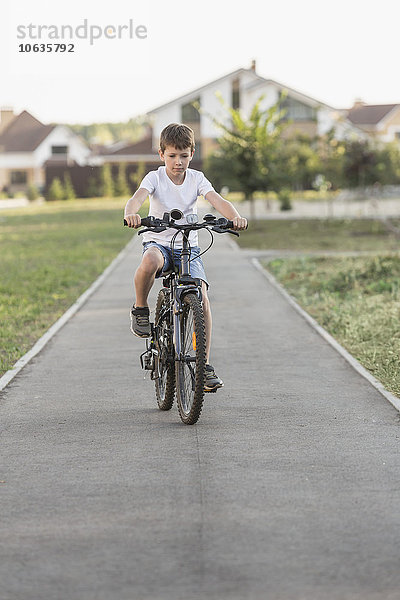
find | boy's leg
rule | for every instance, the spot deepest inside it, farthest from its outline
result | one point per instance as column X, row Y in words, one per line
column 213, row 382
column 152, row 262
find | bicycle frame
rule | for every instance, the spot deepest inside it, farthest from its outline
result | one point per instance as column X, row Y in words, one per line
column 179, row 286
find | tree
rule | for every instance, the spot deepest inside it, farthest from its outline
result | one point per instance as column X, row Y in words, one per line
column 248, row 148
column 297, row 163
column 359, row 163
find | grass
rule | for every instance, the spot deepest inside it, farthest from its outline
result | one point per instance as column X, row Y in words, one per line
column 356, row 299
column 49, row 255
column 319, row 235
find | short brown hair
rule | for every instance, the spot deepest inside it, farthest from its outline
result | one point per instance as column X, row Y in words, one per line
column 177, row 135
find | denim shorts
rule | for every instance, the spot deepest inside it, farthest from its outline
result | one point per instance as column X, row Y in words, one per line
column 196, row 264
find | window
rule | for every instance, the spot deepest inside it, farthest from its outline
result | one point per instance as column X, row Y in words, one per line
column 197, row 154
column 19, row 177
column 190, row 114
column 297, row 111
column 236, row 93
column 59, row 150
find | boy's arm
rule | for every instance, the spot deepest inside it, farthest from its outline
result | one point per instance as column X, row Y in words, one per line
column 226, row 209
column 132, row 207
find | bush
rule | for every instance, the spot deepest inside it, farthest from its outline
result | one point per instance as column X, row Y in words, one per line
column 32, row 193
column 121, row 185
column 69, row 192
column 107, row 183
column 56, row 190
column 284, row 196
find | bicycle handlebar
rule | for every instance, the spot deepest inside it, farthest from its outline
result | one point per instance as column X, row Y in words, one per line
column 220, row 225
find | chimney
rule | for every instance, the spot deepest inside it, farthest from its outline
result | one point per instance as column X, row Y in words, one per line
column 6, row 116
column 358, row 103
column 253, row 65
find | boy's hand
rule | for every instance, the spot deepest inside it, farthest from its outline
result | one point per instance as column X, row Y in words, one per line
column 133, row 220
column 239, row 223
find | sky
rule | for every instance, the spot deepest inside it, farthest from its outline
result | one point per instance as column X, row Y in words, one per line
column 333, row 51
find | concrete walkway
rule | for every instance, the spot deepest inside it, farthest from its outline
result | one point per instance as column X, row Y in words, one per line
column 288, row 488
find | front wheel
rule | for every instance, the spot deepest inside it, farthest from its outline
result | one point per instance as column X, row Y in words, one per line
column 164, row 370
column 190, row 365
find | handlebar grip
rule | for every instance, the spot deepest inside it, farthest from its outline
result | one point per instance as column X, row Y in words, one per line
column 145, row 222
column 229, row 225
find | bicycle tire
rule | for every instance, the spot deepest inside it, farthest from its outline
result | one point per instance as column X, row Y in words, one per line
column 190, row 373
column 164, row 366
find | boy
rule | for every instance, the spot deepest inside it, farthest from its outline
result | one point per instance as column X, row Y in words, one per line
column 173, row 186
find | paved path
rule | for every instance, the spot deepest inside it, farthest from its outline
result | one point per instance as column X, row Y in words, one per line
column 287, row 489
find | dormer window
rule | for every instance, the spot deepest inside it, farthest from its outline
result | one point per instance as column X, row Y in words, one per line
column 297, row 111
column 190, row 114
column 57, row 150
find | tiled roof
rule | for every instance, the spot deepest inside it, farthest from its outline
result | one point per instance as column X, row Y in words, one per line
column 24, row 134
column 142, row 147
column 369, row 114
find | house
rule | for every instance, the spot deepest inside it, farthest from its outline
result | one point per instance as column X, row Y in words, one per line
column 381, row 121
column 27, row 146
column 240, row 90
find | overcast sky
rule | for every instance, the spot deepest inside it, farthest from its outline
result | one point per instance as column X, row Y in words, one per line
column 332, row 51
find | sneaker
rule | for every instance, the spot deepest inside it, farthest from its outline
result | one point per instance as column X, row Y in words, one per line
column 140, row 324
column 212, row 382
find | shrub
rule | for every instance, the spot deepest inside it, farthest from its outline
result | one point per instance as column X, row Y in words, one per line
column 32, row 193
column 56, row 190
column 284, row 196
column 69, row 192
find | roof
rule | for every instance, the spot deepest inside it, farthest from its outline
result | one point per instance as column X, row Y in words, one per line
column 257, row 81
column 370, row 114
column 24, row 134
column 142, row 147
column 203, row 87
column 291, row 91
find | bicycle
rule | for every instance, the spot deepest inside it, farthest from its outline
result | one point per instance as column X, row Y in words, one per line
column 175, row 353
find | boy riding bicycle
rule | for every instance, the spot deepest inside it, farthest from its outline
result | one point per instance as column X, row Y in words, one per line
column 174, row 186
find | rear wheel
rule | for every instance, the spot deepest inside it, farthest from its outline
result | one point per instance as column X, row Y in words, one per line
column 164, row 366
column 190, row 368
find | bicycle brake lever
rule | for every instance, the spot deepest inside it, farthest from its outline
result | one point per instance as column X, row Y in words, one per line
column 155, row 229
column 220, row 230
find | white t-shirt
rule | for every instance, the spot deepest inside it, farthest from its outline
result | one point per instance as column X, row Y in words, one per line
column 166, row 195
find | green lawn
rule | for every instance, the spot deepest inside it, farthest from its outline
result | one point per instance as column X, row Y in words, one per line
column 356, row 299
column 49, row 255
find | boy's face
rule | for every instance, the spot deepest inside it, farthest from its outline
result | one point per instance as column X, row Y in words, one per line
column 176, row 161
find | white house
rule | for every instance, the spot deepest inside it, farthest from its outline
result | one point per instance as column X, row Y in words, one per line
column 27, row 145
column 241, row 89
